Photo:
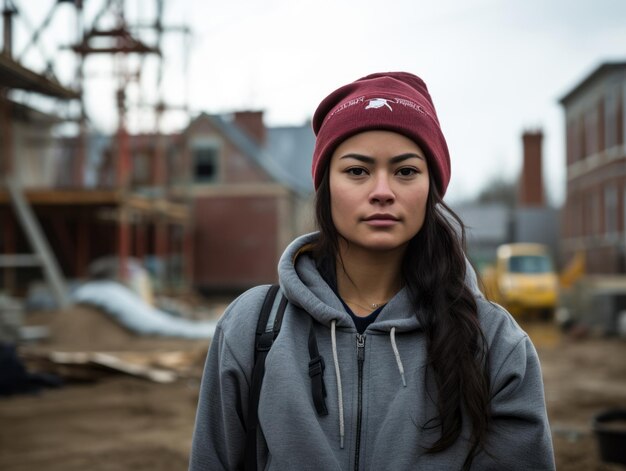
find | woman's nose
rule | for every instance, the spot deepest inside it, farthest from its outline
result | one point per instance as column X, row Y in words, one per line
column 382, row 193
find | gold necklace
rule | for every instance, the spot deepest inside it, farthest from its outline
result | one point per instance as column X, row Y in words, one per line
column 373, row 306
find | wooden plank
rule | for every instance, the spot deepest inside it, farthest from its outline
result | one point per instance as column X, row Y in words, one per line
column 14, row 75
column 57, row 197
column 74, row 197
column 114, row 362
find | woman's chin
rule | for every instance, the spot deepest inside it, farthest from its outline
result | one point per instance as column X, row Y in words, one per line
column 379, row 243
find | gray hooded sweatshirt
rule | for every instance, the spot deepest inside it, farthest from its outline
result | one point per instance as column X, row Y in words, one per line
column 378, row 413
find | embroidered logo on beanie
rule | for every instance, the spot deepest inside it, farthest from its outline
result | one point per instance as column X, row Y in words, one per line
column 375, row 103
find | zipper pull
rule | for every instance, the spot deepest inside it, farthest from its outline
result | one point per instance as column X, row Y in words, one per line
column 360, row 347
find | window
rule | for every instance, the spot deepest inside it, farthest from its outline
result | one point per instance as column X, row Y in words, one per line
column 530, row 264
column 591, row 133
column 206, row 163
column 592, row 210
column 572, row 142
column 582, row 141
column 610, row 209
column 575, row 217
column 611, row 110
column 595, row 213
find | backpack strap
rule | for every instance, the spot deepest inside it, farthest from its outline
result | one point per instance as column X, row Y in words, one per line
column 267, row 329
column 316, row 373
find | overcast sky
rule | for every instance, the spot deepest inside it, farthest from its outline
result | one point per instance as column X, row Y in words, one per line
column 494, row 67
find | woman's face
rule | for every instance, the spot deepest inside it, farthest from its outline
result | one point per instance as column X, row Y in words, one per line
column 378, row 190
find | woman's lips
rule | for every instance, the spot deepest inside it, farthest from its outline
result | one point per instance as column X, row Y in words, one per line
column 381, row 220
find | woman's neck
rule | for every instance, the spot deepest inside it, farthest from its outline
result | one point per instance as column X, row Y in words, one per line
column 367, row 279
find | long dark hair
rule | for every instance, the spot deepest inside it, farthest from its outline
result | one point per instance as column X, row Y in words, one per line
column 433, row 270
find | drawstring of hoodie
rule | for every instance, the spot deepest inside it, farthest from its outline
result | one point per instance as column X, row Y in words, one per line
column 396, row 353
column 342, row 430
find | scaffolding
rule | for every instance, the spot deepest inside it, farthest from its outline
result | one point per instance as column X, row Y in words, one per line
column 114, row 217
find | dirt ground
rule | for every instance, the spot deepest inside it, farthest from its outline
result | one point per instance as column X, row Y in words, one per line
column 120, row 422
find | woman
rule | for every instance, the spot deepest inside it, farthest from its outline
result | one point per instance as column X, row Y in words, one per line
column 421, row 371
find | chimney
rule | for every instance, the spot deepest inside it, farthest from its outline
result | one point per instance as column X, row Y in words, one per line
column 531, row 181
column 252, row 123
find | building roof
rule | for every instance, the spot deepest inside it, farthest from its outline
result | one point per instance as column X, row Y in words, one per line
column 274, row 166
column 601, row 71
column 292, row 148
column 15, row 75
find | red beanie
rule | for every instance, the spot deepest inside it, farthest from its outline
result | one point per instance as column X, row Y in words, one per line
column 393, row 101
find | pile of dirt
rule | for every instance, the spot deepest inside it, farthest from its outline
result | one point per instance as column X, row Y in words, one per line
column 85, row 328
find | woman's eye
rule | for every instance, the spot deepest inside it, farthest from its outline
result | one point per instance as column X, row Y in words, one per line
column 407, row 171
column 356, row 171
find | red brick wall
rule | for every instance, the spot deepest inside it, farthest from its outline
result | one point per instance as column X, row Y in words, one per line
column 236, row 241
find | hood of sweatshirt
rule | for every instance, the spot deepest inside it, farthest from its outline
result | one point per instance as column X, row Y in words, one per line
column 304, row 287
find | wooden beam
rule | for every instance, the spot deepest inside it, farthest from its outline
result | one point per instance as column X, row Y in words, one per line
column 81, row 197
column 73, row 197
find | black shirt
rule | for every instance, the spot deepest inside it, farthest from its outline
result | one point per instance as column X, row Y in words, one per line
column 326, row 267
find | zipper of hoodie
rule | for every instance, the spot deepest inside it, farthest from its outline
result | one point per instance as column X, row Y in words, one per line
column 360, row 356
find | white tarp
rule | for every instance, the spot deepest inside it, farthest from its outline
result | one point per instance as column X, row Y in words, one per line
column 132, row 312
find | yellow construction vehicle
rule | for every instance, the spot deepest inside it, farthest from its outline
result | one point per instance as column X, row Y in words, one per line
column 523, row 280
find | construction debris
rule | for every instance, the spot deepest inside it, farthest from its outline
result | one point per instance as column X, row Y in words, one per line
column 159, row 367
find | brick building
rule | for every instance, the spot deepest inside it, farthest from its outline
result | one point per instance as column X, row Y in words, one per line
column 247, row 203
column 594, row 215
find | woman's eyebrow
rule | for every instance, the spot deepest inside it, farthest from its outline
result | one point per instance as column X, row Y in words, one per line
column 394, row 160
column 403, row 157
